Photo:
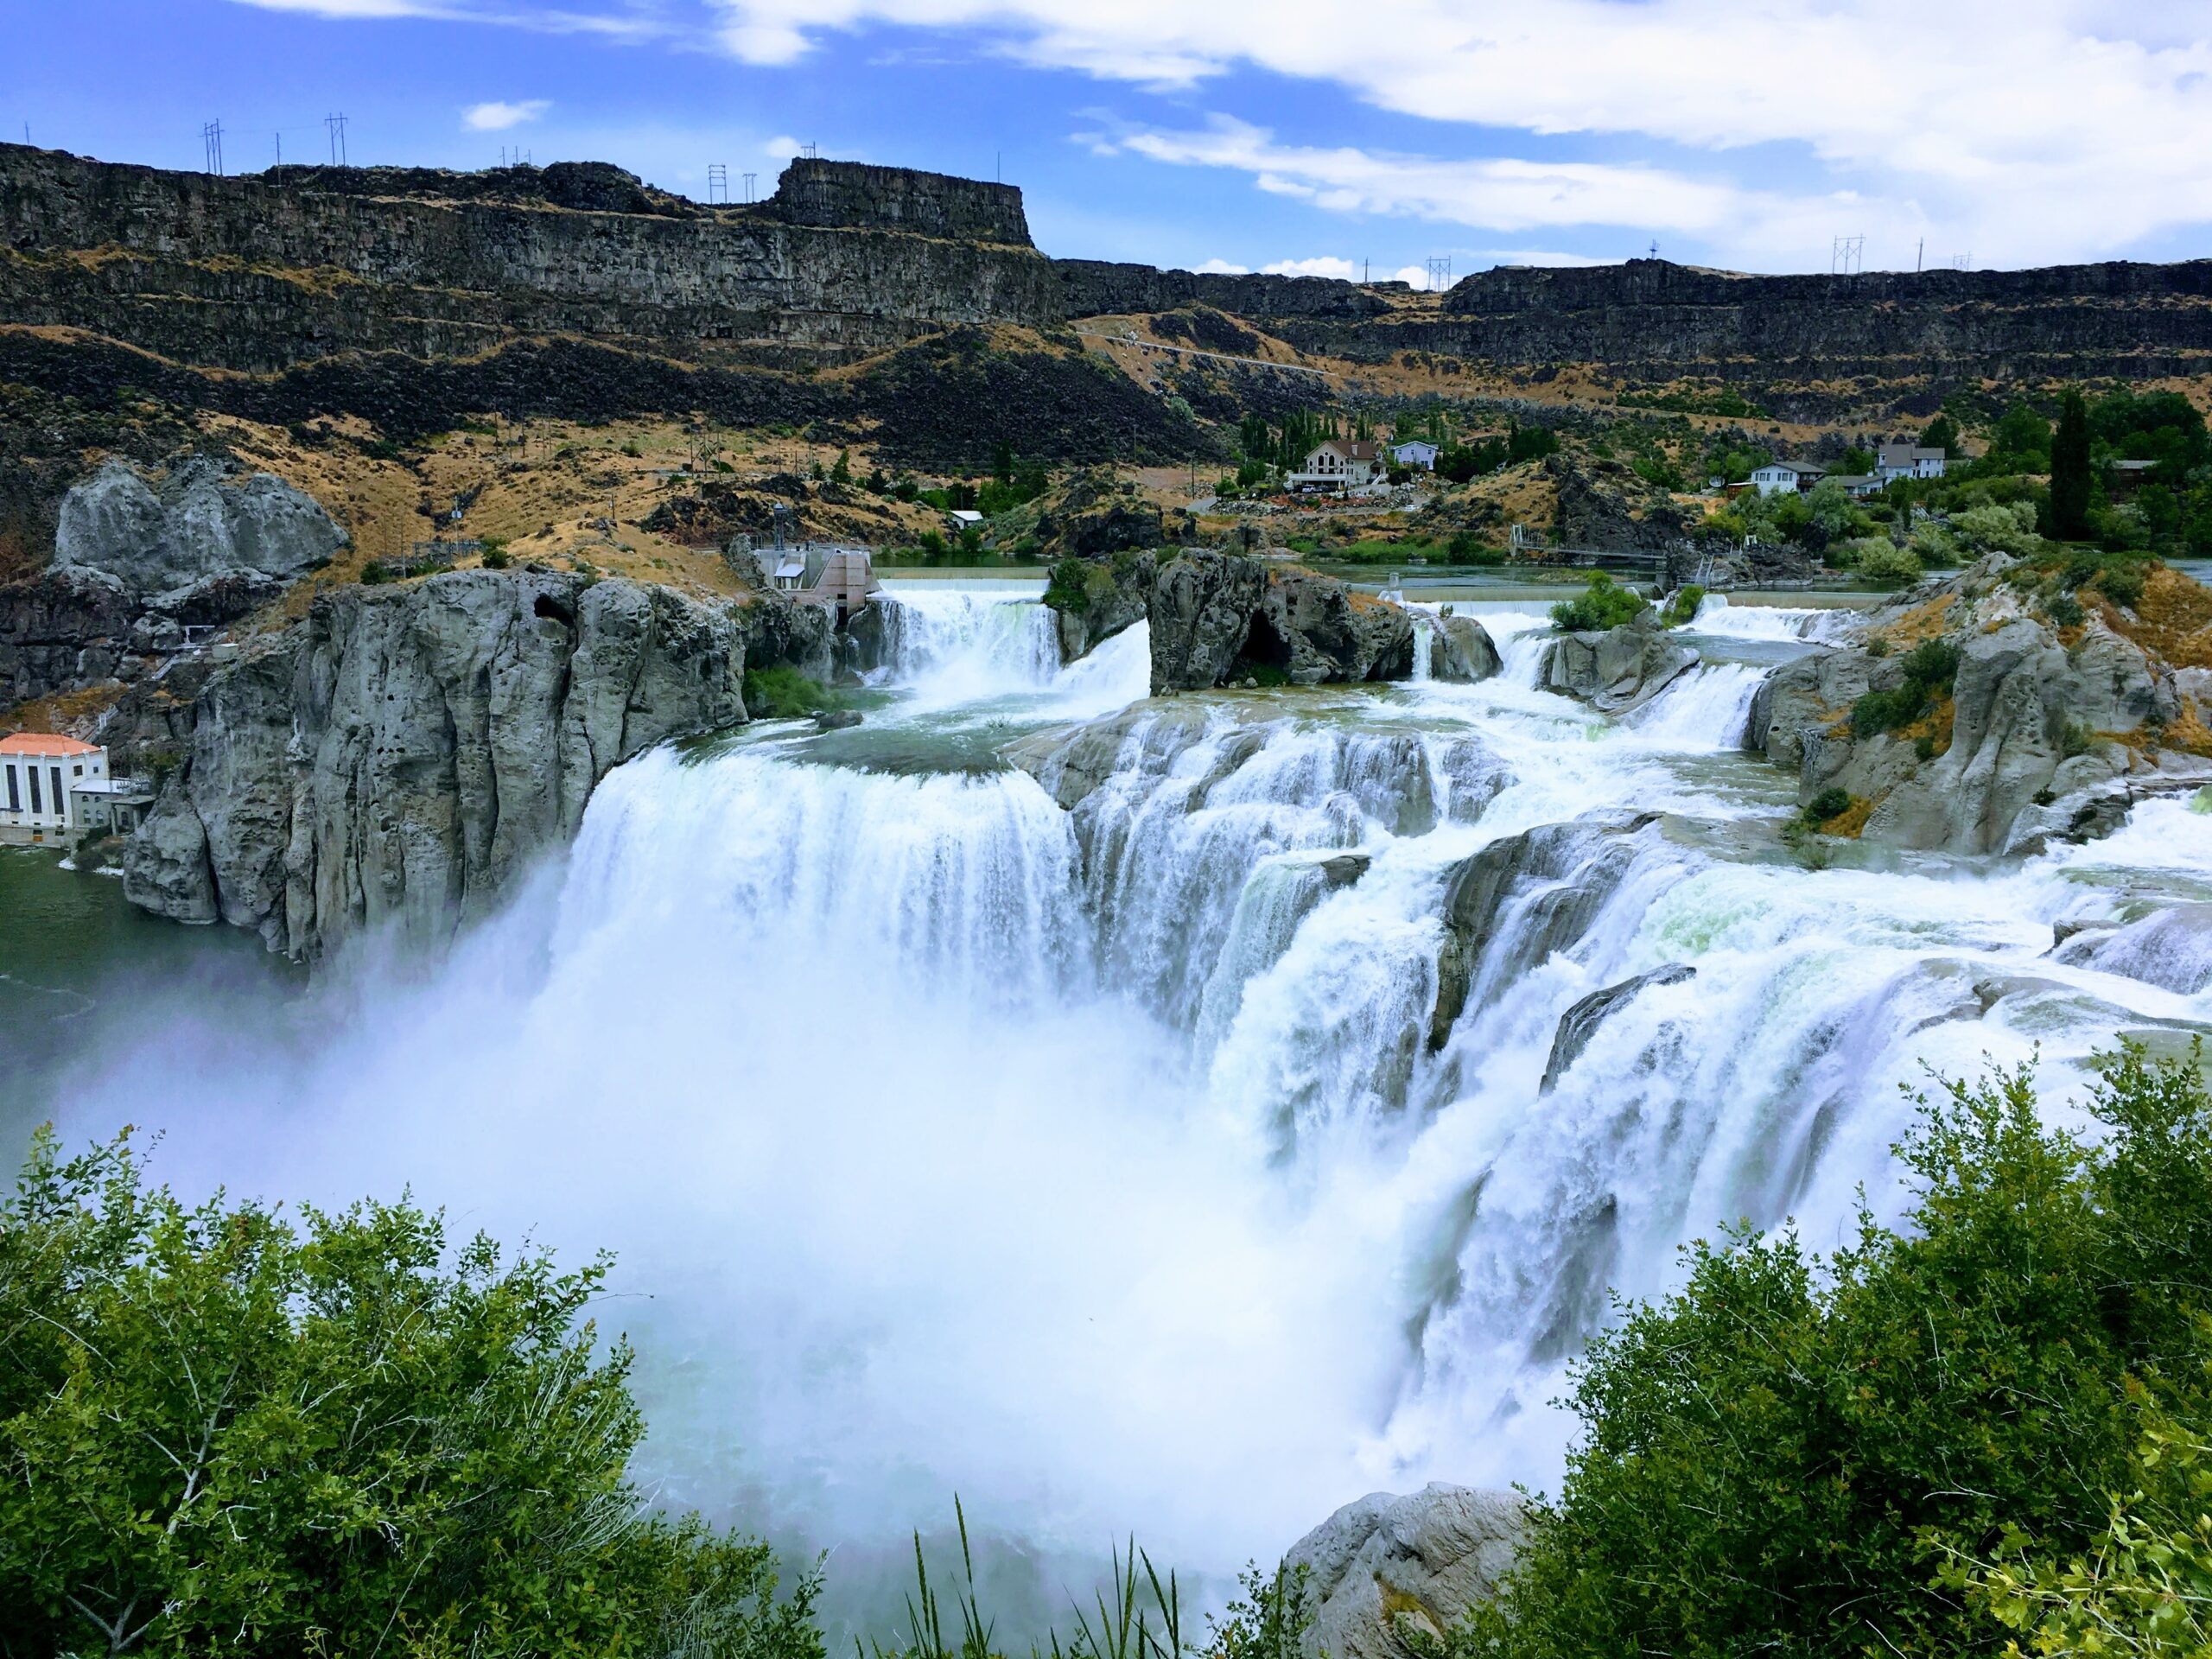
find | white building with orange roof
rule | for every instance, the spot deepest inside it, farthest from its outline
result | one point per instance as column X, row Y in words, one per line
column 41, row 779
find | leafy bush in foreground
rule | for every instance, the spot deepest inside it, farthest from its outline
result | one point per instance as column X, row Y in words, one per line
column 223, row 1433
column 781, row 692
column 1605, row 604
column 1794, row 1456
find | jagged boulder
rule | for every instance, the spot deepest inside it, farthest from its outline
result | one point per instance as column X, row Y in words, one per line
column 1615, row 669
column 1550, row 881
column 2032, row 737
column 399, row 758
column 1217, row 617
column 1580, row 1023
column 203, row 521
column 1462, row 652
column 1202, row 606
column 1389, row 1565
column 1093, row 600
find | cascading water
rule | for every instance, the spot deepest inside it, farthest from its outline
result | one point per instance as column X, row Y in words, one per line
column 1092, row 1142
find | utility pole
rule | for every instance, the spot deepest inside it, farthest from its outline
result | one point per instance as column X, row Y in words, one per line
column 335, row 125
column 280, row 148
column 718, row 182
column 748, row 185
column 211, row 140
column 1920, row 257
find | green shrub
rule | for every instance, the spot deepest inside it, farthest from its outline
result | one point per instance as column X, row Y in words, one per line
column 1605, row 604
column 1785, row 1456
column 227, row 1432
column 1930, row 670
column 1068, row 588
column 1883, row 560
column 781, row 692
column 1878, row 648
column 1682, row 607
column 375, row 573
column 1830, row 803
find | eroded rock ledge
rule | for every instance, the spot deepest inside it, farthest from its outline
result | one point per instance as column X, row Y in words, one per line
column 401, row 756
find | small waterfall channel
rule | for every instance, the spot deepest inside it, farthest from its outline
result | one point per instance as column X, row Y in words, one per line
column 1175, row 1132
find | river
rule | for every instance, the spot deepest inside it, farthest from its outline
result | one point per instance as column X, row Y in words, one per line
column 1099, row 1164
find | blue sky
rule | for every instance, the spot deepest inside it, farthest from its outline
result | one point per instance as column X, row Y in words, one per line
column 1299, row 134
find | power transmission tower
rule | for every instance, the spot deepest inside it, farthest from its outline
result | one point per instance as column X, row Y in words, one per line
column 718, row 182
column 1439, row 273
column 211, row 141
column 335, row 124
column 1847, row 256
column 748, row 185
column 814, row 152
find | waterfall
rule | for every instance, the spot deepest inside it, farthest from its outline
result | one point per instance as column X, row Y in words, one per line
column 1084, row 1140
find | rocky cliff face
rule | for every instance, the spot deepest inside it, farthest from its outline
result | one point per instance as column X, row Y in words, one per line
column 252, row 275
column 400, row 758
column 1652, row 318
column 139, row 559
column 1219, row 617
column 2036, row 731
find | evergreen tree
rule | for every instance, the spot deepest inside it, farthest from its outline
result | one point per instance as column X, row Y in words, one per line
column 2069, row 469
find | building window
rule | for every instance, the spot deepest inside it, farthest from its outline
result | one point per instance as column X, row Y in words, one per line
column 14, row 798
column 36, row 804
column 76, row 771
column 60, row 801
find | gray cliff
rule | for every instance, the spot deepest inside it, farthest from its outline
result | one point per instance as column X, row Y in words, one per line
column 1218, row 617
column 204, row 520
column 401, row 756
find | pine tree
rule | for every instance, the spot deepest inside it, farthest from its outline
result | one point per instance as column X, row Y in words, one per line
column 2069, row 469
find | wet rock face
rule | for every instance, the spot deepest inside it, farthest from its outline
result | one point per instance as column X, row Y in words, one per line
column 2170, row 949
column 1387, row 1567
column 1215, row 616
column 1538, row 891
column 1115, row 594
column 1462, row 650
column 401, row 756
column 1580, row 1023
column 1202, row 606
column 206, row 520
column 1619, row 669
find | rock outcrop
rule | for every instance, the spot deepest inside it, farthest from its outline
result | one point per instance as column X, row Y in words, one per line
column 1461, row 651
column 401, row 757
column 2033, row 733
column 62, row 630
column 1097, row 599
column 1218, row 617
column 2170, row 949
column 1387, row 1566
column 1617, row 669
column 1580, row 1023
column 1522, row 897
column 205, row 521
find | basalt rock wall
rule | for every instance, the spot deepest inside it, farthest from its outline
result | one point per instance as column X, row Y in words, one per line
column 1652, row 318
column 251, row 274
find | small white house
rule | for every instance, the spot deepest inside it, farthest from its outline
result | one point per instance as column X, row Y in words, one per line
column 962, row 519
column 1419, row 452
column 1342, row 464
column 1780, row 477
column 1907, row 461
column 39, row 776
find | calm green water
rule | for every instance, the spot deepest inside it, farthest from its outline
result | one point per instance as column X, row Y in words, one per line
column 83, row 974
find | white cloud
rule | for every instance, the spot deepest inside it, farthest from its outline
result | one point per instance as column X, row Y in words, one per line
column 1416, row 274
column 1325, row 265
column 782, row 148
column 1970, row 120
column 499, row 116
column 1220, row 267
column 2022, row 129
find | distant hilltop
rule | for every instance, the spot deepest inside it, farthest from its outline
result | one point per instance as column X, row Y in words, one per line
column 268, row 271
